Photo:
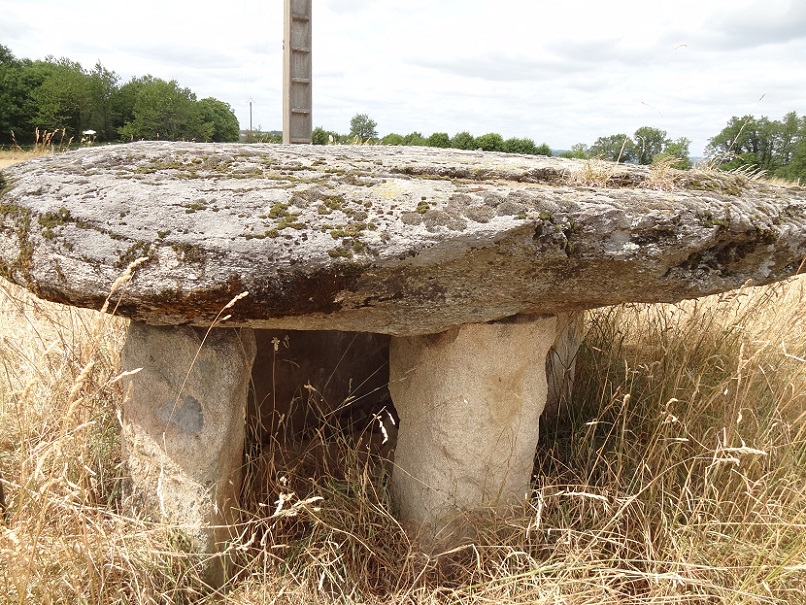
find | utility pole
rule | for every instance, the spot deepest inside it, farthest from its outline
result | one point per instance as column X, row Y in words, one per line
column 297, row 72
column 249, row 138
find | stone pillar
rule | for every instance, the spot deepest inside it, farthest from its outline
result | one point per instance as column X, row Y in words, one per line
column 183, row 429
column 469, row 402
column 561, row 361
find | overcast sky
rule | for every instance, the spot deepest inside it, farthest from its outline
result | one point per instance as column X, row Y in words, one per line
column 559, row 71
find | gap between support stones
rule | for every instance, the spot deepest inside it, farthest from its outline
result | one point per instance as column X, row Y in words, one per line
column 183, row 430
column 469, row 401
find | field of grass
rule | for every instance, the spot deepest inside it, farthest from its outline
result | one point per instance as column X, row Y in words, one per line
column 677, row 474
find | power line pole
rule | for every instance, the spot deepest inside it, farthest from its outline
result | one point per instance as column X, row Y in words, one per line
column 249, row 136
column 297, row 72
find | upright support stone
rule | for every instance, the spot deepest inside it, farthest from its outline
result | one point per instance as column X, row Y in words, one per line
column 562, row 360
column 469, row 401
column 183, row 428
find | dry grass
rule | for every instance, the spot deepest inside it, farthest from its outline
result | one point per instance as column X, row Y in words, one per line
column 45, row 143
column 678, row 475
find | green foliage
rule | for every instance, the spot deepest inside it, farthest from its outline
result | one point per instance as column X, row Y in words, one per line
column 319, row 136
column 543, row 149
column 414, row 138
column 490, row 142
column 796, row 169
column 649, row 142
column 162, row 110
column 63, row 97
column 17, row 110
column 463, row 140
column 675, row 149
column 103, row 116
column 514, row 145
column 393, row 139
column 57, row 94
column 648, row 145
column 219, row 117
column 761, row 143
column 579, row 151
column 439, row 139
column 363, row 127
column 614, row 148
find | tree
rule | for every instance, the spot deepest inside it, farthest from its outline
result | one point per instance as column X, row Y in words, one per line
column 319, row 136
column 18, row 78
column 463, row 140
column 649, row 142
column 743, row 141
column 414, row 138
column 393, row 139
column 490, row 142
column 791, row 132
column 677, row 153
column 363, row 127
column 525, row 146
column 439, row 139
column 796, row 169
column 579, row 151
column 220, row 119
column 769, row 145
column 63, row 99
column 163, row 110
column 103, row 117
column 614, row 148
column 543, row 149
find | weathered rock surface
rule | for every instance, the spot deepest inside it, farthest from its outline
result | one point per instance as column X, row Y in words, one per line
column 183, row 429
column 381, row 239
column 469, row 401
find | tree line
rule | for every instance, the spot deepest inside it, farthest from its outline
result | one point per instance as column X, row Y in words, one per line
column 364, row 129
column 777, row 147
column 57, row 94
column 645, row 146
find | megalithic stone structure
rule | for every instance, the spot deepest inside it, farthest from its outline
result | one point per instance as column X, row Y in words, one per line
column 470, row 269
column 297, row 73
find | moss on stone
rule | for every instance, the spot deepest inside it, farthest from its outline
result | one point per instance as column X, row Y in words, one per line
column 279, row 210
column 50, row 220
column 708, row 220
column 340, row 252
column 352, row 229
column 138, row 249
column 188, row 252
column 423, row 207
column 24, row 260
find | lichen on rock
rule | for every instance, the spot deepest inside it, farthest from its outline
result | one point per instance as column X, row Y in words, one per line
column 393, row 240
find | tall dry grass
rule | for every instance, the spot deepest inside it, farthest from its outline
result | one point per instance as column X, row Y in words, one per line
column 45, row 142
column 676, row 475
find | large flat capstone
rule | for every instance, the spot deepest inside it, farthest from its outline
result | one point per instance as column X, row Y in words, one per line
column 393, row 240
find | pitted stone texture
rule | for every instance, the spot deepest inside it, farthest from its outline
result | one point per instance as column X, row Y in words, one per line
column 183, row 428
column 562, row 360
column 469, row 401
column 391, row 240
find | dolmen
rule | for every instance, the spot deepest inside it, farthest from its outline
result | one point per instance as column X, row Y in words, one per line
column 464, row 268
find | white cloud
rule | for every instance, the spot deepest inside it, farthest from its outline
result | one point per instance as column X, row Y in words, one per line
column 559, row 72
